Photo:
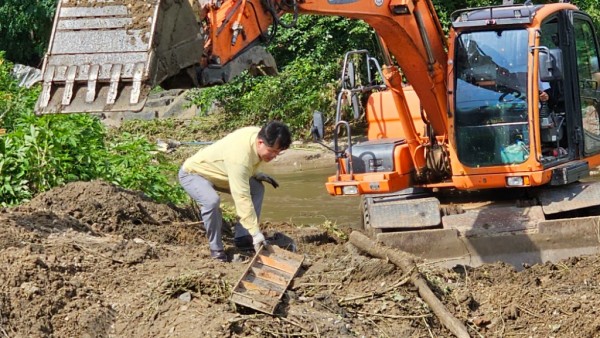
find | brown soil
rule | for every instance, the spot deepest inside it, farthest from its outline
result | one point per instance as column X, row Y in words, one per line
column 140, row 10
column 93, row 260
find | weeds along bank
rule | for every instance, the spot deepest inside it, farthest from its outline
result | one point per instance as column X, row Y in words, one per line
column 38, row 153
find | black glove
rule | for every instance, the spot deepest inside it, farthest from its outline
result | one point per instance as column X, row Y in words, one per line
column 266, row 178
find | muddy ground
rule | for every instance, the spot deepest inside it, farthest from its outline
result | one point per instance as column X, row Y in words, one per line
column 92, row 260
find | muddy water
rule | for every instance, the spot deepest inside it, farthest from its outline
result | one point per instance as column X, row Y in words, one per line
column 303, row 200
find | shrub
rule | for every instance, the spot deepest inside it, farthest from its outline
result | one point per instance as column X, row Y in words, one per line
column 39, row 153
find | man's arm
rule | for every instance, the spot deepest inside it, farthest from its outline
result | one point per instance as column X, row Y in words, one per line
column 239, row 185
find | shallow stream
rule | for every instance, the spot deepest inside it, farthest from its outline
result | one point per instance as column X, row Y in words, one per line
column 302, row 199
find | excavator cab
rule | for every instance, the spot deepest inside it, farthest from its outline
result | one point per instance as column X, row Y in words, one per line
column 519, row 90
column 491, row 107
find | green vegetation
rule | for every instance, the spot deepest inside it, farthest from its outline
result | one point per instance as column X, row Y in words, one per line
column 309, row 57
column 302, row 87
column 25, row 29
column 38, row 153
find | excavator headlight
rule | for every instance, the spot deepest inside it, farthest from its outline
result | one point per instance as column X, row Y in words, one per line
column 517, row 181
column 350, row 190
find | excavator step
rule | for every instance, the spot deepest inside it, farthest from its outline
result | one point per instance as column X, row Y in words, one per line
column 397, row 212
column 570, row 172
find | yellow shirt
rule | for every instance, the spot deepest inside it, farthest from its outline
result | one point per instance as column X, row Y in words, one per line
column 228, row 164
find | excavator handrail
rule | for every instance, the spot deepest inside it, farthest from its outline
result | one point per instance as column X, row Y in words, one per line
column 496, row 15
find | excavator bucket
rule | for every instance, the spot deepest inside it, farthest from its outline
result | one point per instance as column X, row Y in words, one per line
column 107, row 55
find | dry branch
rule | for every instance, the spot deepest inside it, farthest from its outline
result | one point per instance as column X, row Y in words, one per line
column 374, row 293
column 90, row 251
column 405, row 262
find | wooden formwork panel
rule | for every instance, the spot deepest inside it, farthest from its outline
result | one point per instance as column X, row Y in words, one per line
column 268, row 275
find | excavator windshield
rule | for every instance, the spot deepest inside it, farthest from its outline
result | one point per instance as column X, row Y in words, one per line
column 490, row 103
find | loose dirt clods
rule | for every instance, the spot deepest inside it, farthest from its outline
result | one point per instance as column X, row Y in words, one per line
column 93, row 260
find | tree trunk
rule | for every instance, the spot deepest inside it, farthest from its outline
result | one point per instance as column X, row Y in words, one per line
column 406, row 262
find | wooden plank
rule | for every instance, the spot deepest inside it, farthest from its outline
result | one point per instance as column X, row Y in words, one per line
column 270, row 274
column 275, row 263
column 266, row 284
column 283, row 255
column 265, row 280
column 258, row 289
column 252, row 303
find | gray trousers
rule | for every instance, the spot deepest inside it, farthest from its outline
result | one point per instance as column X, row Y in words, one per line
column 205, row 194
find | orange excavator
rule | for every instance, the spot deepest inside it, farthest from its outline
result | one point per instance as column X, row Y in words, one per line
column 478, row 144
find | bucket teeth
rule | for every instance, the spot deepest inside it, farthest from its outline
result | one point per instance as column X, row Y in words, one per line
column 68, row 93
column 115, row 76
column 47, row 87
column 137, row 83
column 92, row 81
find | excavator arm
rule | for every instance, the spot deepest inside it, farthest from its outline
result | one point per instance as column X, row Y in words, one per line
column 106, row 56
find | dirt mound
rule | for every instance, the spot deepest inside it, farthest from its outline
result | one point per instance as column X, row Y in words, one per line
column 106, row 208
column 93, row 260
column 546, row 300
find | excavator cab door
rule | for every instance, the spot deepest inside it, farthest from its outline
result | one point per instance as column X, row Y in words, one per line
column 572, row 82
column 587, row 54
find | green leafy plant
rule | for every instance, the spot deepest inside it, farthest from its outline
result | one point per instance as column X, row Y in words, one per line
column 25, row 29
column 334, row 229
column 39, row 153
column 302, row 87
column 133, row 162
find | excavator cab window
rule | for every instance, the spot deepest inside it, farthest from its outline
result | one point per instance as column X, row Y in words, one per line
column 490, row 97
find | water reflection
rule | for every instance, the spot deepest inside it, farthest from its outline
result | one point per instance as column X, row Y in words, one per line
column 302, row 199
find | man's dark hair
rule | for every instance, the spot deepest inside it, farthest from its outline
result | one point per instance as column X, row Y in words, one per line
column 276, row 134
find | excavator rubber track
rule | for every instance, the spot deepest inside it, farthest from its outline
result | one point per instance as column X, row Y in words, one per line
column 106, row 55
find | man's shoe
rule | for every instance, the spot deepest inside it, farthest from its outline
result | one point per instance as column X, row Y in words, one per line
column 218, row 255
column 244, row 243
